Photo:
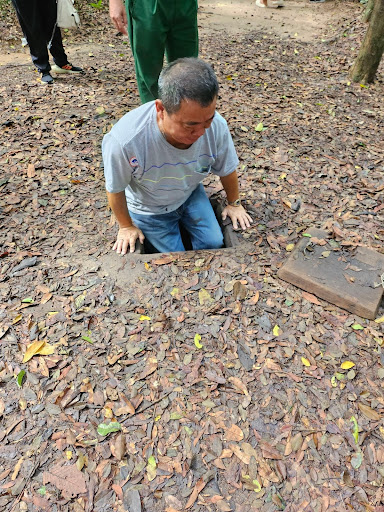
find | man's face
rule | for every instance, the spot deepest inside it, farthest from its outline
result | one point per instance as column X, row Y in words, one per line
column 185, row 126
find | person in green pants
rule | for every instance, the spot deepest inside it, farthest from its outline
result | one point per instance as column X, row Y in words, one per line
column 156, row 27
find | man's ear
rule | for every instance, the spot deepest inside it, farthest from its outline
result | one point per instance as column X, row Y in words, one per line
column 159, row 106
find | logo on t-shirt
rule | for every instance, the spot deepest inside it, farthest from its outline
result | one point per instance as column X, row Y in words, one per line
column 134, row 162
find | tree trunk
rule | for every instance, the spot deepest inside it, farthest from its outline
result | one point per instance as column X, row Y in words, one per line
column 368, row 11
column 371, row 51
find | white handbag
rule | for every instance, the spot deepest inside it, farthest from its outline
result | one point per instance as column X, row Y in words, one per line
column 67, row 16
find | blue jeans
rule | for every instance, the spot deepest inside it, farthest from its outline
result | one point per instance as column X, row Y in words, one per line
column 197, row 217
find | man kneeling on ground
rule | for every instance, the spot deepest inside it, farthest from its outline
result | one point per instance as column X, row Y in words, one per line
column 156, row 157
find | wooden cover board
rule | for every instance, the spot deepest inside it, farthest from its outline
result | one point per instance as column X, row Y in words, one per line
column 349, row 278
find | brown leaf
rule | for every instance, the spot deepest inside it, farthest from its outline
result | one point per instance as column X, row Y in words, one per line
column 254, row 300
column 118, row 490
column 244, row 457
column 240, row 386
column 45, row 298
column 239, row 291
column 214, row 377
column 272, row 365
column 310, row 298
column 125, row 409
column 195, row 493
column 234, row 433
column 41, row 503
column 150, row 367
column 68, row 479
column 297, row 442
column 163, row 261
column 118, row 447
column 12, row 198
column 31, row 172
column 269, row 451
column 369, row 413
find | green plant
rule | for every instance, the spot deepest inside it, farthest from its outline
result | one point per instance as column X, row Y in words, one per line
column 97, row 5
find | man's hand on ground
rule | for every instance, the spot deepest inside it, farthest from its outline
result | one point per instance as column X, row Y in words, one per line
column 126, row 239
column 238, row 215
column 118, row 15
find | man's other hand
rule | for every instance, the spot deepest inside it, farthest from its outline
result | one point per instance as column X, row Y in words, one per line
column 126, row 239
column 238, row 215
column 118, row 15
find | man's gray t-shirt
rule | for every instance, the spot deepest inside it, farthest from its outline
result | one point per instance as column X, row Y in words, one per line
column 156, row 176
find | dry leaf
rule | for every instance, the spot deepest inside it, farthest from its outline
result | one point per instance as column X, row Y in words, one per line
column 239, row 385
column 31, row 172
column 254, row 300
column 195, row 493
column 32, row 350
column 244, row 457
column 118, row 447
column 369, row 412
column 239, row 291
column 234, row 433
column 310, row 298
column 68, row 479
column 204, row 297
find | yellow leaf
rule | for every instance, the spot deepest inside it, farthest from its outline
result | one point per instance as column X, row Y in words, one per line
column 147, row 266
column 151, row 473
column 68, row 454
column 257, row 485
column 38, row 347
column 108, row 413
column 17, row 319
column 32, row 350
column 152, row 461
column 305, row 361
column 379, row 320
column 289, row 247
column 276, row 330
column 46, row 350
column 287, row 203
column 144, row 317
column 197, row 341
column 283, row 175
column 346, row 365
column 204, row 297
column 174, row 292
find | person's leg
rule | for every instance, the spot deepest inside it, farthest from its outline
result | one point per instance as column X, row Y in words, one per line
column 182, row 39
column 57, row 49
column 29, row 13
column 52, row 32
column 161, row 231
column 200, row 221
column 147, row 34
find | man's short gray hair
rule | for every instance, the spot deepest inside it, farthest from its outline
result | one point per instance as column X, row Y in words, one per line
column 187, row 79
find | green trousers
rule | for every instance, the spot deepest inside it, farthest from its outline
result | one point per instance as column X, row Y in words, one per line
column 158, row 27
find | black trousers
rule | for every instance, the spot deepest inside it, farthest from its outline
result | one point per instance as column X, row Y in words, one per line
column 37, row 19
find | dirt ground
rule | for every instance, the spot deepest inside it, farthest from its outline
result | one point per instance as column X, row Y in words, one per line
column 299, row 19
column 196, row 381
